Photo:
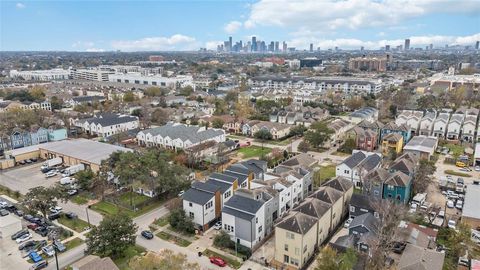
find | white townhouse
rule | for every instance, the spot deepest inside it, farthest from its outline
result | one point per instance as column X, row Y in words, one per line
column 455, row 126
column 358, row 164
column 440, row 125
column 201, row 204
column 411, row 119
column 107, row 124
column 178, row 136
column 470, row 125
column 243, row 219
column 426, row 123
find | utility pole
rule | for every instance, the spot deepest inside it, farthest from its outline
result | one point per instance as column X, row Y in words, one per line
column 88, row 218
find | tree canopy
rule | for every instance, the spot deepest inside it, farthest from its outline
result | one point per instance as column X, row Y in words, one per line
column 41, row 199
column 318, row 134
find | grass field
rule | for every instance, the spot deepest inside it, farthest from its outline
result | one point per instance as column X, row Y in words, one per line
column 75, row 242
column 108, row 209
column 79, row 199
column 131, row 252
column 75, row 224
column 324, row 173
column 452, row 172
column 231, row 261
column 254, row 151
column 163, row 221
column 177, row 240
column 457, row 150
column 125, row 198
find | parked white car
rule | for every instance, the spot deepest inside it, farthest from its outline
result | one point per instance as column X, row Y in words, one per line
column 450, row 204
column 50, row 174
column 347, row 223
column 56, row 209
column 218, row 225
column 459, row 204
column 23, row 238
column 452, row 224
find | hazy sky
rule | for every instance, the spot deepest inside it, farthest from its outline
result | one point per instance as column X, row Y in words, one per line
column 188, row 25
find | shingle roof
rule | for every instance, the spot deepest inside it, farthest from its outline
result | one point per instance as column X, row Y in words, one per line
column 179, row 131
column 110, row 119
column 221, row 185
column 327, row 194
column 370, row 162
column 379, row 175
column 339, row 183
column 364, row 201
column 398, row 179
column 236, row 213
column 366, row 220
column 241, row 177
column 303, row 160
column 313, row 207
column 353, row 160
column 197, row 196
column 244, row 204
column 222, row 177
column 204, row 186
column 298, row 223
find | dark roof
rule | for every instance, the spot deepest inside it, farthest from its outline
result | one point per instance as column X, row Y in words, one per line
column 363, row 201
column 236, row 213
column 110, row 119
column 303, row 160
column 243, row 204
column 327, row 194
column 398, row 179
column 339, row 183
column 298, row 223
column 366, row 220
column 379, row 175
column 313, row 207
column 237, row 168
column 222, row 177
column 241, row 178
column 370, row 162
column 229, row 143
column 221, row 185
column 204, row 186
column 197, row 196
column 88, row 99
column 355, row 159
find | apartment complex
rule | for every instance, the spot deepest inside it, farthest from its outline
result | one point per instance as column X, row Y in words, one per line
column 41, row 75
column 368, row 64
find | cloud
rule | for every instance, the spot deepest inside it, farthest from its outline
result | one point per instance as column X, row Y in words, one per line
column 176, row 42
column 94, row 50
column 212, row 45
column 351, row 43
column 83, row 44
column 232, row 27
column 350, row 14
column 20, row 5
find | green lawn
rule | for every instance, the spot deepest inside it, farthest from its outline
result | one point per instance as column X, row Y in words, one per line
column 177, row 240
column 75, row 242
column 324, row 173
column 231, row 261
column 162, row 221
column 75, row 224
column 131, row 252
column 254, row 151
column 107, row 209
column 79, row 199
column 457, row 150
column 452, row 172
column 125, row 198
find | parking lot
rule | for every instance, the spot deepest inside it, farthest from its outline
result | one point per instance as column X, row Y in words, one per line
column 10, row 256
column 24, row 177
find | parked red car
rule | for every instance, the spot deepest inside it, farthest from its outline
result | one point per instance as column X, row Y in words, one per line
column 218, row 261
column 32, row 226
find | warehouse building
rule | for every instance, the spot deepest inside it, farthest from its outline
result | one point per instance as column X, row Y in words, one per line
column 471, row 211
column 78, row 151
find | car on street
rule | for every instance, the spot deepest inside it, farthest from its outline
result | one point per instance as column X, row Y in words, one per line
column 72, row 192
column 54, row 216
column 50, row 174
column 19, row 234
column 452, row 224
column 39, row 265
column 347, row 223
column 59, row 246
column 218, row 225
column 450, row 204
column 218, row 261
column 23, row 238
column 3, row 212
column 147, row 234
column 48, row 250
column 56, row 209
column 477, row 168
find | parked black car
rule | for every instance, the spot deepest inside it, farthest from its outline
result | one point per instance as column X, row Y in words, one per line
column 11, row 208
column 54, row 216
column 28, row 218
column 71, row 215
column 39, row 265
column 43, row 231
column 19, row 234
column 398, row 247
column 147, row 234
column 45, row 170
column 27, row 245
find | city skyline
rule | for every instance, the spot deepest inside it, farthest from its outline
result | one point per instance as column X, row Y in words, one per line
column 157, row 26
